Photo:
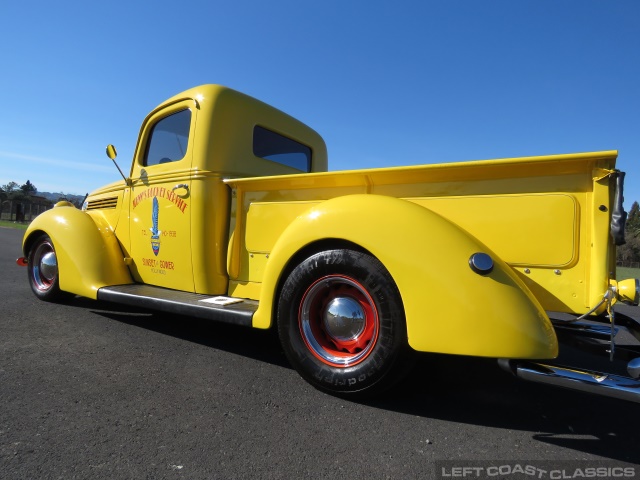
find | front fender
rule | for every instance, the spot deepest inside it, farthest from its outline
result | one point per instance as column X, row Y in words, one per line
column 88, row 253
column 448, row 307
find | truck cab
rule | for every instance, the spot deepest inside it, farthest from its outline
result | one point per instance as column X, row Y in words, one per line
column 174, row 209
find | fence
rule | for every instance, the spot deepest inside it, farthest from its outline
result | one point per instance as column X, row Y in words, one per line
column 23, row 210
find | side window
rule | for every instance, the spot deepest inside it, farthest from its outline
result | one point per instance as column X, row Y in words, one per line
column 169, row 139
column 277, row 148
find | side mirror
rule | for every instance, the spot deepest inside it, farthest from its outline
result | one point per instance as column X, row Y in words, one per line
column 111, row 152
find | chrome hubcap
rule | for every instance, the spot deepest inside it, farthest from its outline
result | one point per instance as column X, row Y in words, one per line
column 344, row 319
column 48, row 266
column 43, row 267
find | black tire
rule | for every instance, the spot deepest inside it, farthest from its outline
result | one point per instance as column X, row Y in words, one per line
column 42, row 270
column 341, row 324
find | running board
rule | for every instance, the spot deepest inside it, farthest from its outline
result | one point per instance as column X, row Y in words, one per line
column 605, row 384
column 217, row 308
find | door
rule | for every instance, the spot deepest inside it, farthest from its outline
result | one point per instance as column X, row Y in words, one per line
column 159, row 212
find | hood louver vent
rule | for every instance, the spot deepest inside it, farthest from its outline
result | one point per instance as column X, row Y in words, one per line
column 103, row 203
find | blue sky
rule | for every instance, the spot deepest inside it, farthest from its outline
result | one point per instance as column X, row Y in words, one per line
column 385, row 83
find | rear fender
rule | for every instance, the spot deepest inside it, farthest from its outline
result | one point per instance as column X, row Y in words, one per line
column 88, row 253
column 448, row 307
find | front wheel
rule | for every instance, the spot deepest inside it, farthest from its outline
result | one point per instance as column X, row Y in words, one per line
column 341, row 323
column 43, row 270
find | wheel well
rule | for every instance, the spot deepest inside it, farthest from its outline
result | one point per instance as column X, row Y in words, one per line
column 306, row 252
column 33, row 236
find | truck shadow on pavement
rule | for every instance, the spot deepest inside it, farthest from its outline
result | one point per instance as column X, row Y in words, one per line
column 476, row 391
column 449, row 388
column 260, row 345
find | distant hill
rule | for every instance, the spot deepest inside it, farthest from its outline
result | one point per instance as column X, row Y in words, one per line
column 54, row 197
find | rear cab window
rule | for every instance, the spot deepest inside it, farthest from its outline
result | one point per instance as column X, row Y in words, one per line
column 277, row 148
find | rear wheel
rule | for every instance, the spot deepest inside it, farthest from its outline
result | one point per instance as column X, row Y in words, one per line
column 341, row 323
column 43, row 270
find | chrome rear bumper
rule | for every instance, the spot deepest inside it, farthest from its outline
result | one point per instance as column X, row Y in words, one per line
column 605, row 384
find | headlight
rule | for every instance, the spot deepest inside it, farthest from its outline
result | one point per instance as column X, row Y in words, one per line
column 628, row 291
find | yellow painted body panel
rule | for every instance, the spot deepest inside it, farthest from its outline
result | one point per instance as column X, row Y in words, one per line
column 164, row 261
column 164, row 258
column 267, row 221
column 88, row 253
column 209, row 233
column 448, row 307
column 540, row 229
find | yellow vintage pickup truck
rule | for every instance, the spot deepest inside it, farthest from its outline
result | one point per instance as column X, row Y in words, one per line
column 228, row 213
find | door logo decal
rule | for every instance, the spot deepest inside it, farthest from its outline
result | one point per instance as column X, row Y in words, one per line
column 161, row 192
column 155, row 233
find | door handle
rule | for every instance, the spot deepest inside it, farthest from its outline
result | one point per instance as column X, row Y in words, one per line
column 179, row 186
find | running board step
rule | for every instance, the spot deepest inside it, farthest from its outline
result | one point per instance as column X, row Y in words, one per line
column 182, row 303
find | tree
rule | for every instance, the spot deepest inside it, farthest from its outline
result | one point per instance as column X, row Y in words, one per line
column 630, row 252
column 28, row 188
column 10, row 187
column 633, row 220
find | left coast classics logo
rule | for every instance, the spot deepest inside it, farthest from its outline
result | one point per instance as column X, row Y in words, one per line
column 155, row 233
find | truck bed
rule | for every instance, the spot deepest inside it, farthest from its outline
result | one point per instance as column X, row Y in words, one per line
column 538, row 214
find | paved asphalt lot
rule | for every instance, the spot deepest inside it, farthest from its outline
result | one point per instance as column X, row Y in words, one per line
column 93, row 390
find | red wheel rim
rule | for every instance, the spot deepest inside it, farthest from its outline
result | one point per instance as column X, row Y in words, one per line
column 338, row 321
column 43, row 266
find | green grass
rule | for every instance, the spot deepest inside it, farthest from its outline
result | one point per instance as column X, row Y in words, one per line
column 626, row 272
column 17, row 226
